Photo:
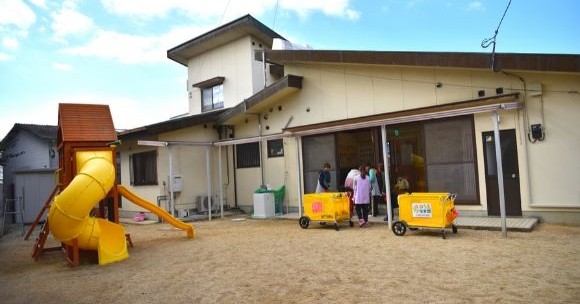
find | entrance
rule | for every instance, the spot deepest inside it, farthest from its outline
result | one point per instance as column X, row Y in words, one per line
column 407, row 155
column 511, row 176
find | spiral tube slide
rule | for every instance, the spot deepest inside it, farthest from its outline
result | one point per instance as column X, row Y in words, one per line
column 137, row 200
column 69, row 218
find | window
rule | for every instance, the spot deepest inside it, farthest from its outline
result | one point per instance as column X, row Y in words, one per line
column 143, row 168
column 248, row 155
column 450, row 158
column 212, row 97
column 275, row 148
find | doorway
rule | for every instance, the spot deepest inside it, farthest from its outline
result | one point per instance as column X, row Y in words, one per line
column 511, row 175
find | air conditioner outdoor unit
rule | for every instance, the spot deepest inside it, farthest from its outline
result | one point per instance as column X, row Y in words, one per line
column 202, row 204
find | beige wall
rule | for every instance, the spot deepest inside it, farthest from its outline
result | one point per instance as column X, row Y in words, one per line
column 235, row 61
column 549, row 170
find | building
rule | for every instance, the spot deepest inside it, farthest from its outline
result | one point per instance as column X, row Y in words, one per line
column 259, row 116
column 30, row 160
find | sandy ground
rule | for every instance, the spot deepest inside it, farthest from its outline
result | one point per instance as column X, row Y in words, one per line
column 275, row 261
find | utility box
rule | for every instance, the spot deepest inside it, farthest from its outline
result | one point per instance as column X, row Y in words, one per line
column 176, row 183
column 264, row 206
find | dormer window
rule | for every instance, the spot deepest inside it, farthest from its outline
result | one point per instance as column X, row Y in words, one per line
column 212, row 93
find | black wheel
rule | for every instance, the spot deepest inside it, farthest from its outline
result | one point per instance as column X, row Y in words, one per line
column 336, row 226
column 454, row 228
column 399, row 228
column 304, row 222
column 350, row 223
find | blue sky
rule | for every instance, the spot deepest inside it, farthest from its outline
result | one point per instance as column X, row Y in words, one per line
column 114, row 51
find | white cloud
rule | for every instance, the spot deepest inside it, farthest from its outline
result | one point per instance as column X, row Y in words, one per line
column 39, row 3
column 15, row 13
column 132, row 49
column 62, row 67
column 229, row 9
column 475, row 6
column 5, row 57
column 10, row 43
column 336, row 8
column 68, row 21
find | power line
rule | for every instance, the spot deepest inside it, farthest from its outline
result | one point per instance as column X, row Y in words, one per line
column 489, row 41
column 275, row 14
column 225, row 10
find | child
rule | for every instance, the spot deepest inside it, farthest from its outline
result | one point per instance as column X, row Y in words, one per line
column 323, row 179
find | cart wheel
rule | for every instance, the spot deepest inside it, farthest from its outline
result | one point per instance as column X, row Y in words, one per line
column 399, row 228
column 454, row 228
column 350, row 223
column 336, row 226
column 443, row 233
column 304, row 222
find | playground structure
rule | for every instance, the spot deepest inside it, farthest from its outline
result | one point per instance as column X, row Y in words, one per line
column 87, row 177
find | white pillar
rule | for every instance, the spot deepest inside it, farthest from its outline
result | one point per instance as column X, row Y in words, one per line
column 208, row 174
column 221, row 182
column 387, row 180
column 171, row 201
column 298, row 174
column 495, row 119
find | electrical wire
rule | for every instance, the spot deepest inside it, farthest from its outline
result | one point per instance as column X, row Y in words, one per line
column 489, row 41
column 224, row 14
column 275, row 14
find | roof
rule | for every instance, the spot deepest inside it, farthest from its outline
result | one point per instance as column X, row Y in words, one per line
column 171, row 125
column 44, row 132
column 85, row 122
column 503, row 61
column 241, row 27
column 275, row 91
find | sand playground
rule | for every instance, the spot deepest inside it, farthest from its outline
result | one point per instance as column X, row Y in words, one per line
column 275, row 261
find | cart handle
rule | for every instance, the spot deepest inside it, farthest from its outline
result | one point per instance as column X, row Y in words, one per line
column 450, row 196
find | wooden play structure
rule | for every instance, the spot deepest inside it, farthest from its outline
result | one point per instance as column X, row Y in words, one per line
column 81, row 127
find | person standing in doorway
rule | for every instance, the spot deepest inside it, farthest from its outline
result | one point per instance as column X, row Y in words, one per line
column 376, row 192
column 362, row 195
column 323, row 179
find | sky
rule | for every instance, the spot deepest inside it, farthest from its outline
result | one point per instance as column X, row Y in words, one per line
column 115, row 51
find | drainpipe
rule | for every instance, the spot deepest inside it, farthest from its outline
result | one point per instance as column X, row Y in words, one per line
column 264, row 63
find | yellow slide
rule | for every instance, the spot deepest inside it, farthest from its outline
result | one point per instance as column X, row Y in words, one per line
column 69, row 218
column 134, row 198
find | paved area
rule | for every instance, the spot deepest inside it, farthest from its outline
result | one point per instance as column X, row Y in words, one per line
column 484, row 223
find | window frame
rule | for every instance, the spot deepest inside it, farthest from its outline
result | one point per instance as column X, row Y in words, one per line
column 279, row 143
column 216, row 92
column 248, row 155
column 138, row 171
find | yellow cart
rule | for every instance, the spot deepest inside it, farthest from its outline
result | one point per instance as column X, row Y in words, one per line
column 325, row 207
column 426, row 210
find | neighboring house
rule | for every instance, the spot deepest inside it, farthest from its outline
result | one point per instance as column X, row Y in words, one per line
column 30, row 159
column 274, row 117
